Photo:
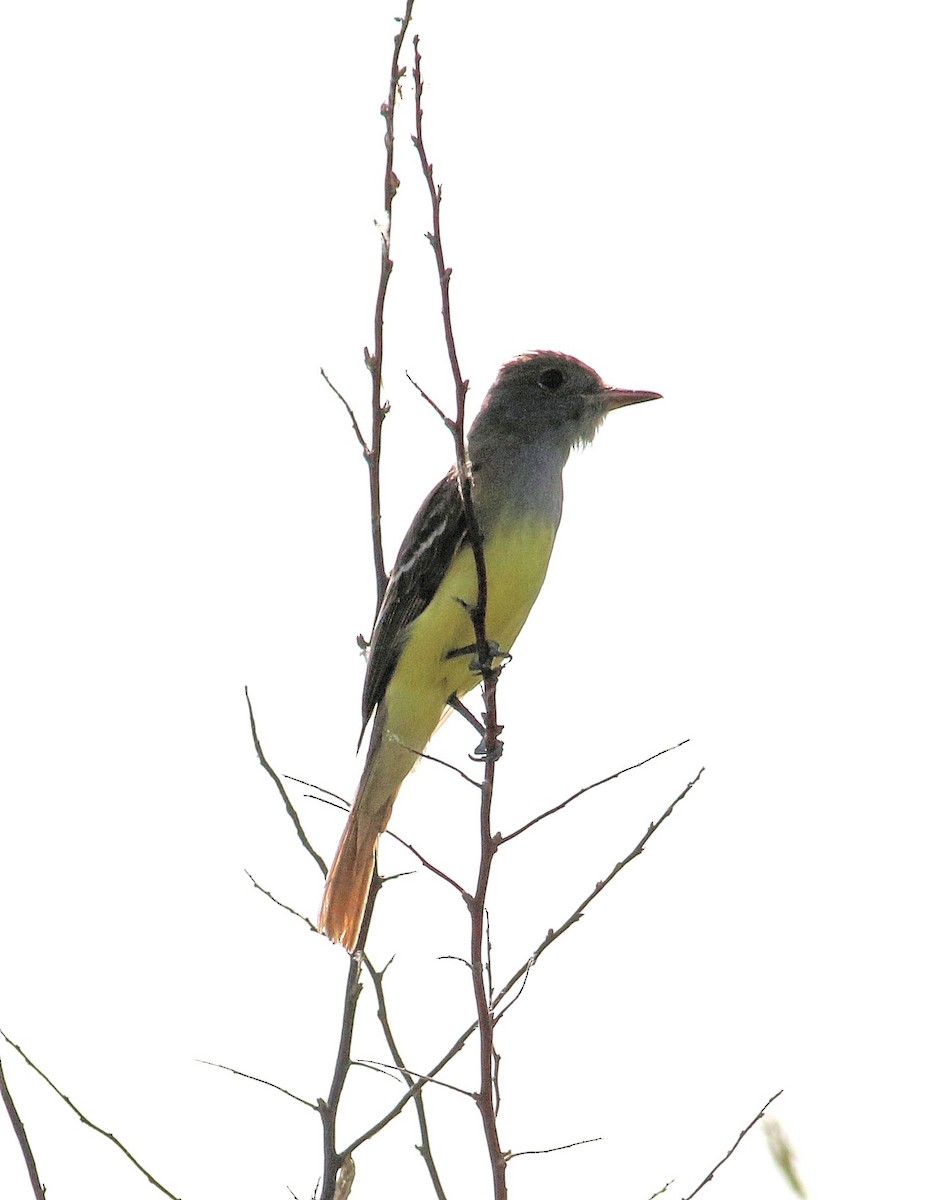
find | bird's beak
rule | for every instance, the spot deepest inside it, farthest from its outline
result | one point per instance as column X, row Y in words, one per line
column 620, row 397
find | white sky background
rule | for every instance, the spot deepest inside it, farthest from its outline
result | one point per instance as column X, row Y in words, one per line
column 733, row 204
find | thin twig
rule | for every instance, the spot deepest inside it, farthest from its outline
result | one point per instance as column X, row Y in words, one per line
column 553, row 934
column 339, row 1167
column 355, row 425
column 425, row 862
column 280, row 904
column 743, row 1133
column 374, row 359
column 553, row 1149
column 442, row 762
column 291, row 811
column 20, row 1130
column 318, row 787
column 400, row 1069
column 448, row 421
column 487, row 1098
column 378, row 982
column 391, row 1069
column 590, row 786
column 91, row 1124
column 521, row 971
column 518, row 995
column 315, row 1104
column 335, row 1162
column 461, row 386
column 485, row 654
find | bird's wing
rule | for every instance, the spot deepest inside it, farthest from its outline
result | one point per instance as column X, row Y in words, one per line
column 437, row 532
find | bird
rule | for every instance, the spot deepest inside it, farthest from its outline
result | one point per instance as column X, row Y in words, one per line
column 541, row 405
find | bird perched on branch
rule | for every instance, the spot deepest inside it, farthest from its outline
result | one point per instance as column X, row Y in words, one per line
column 423, row 643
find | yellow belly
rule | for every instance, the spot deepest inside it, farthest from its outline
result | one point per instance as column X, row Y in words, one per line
column 517, row 556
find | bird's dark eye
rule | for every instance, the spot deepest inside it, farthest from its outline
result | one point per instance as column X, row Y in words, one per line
column 551, row 379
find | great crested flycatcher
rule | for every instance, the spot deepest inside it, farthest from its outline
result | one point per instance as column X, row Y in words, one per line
column 540, row 406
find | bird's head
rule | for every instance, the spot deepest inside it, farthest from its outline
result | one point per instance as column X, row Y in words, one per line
column 547, row 395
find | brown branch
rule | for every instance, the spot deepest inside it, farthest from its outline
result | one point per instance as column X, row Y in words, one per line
column 489, row 671
column 743, row 1133
column 343, row 802
column 448, row 421
column 291, row 811
column 461, row 386
column 409, row 1077
column 280, row 904
column 553, row 1149
column 391, row 1069
column 425, row 862
column 583, row 791
column 374, row 358
column 442, row 762
column 487, row 1098
column 20, row 1130
column 342, row 806
column 266, row 1082
column 86, row 1121
column 443, row 271
column 348, row 407
column 553, row 934
column 551, row 937
column 334, row 1161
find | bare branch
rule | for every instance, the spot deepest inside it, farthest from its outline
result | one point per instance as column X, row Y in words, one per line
column 461, row 386
column 388, row 1069
column 20, row 1130
column 583, row 791
column 91, row 1124
column 425, row 862
column 486, row 653
column 291, row 811
column 280, row 904
column 316, row 1104
column 553, row 934
column 374, row 359
column 366, row 453
column 450, row 424
column 378, row 981
column 319, row 788
column 743, row 1133
column 552, row 1149
column 520, row 972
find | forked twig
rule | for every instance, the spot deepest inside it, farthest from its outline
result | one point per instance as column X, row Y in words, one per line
column 550, row 938
column 583, row 791
column 378, row 982
column 87, row 1121
column 288, row 805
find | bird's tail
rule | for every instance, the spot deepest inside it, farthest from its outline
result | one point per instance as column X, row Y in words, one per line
column 350, row 876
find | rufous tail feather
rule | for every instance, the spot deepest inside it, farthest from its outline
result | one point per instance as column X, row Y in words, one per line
column 350, row 877
column 386, row 766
